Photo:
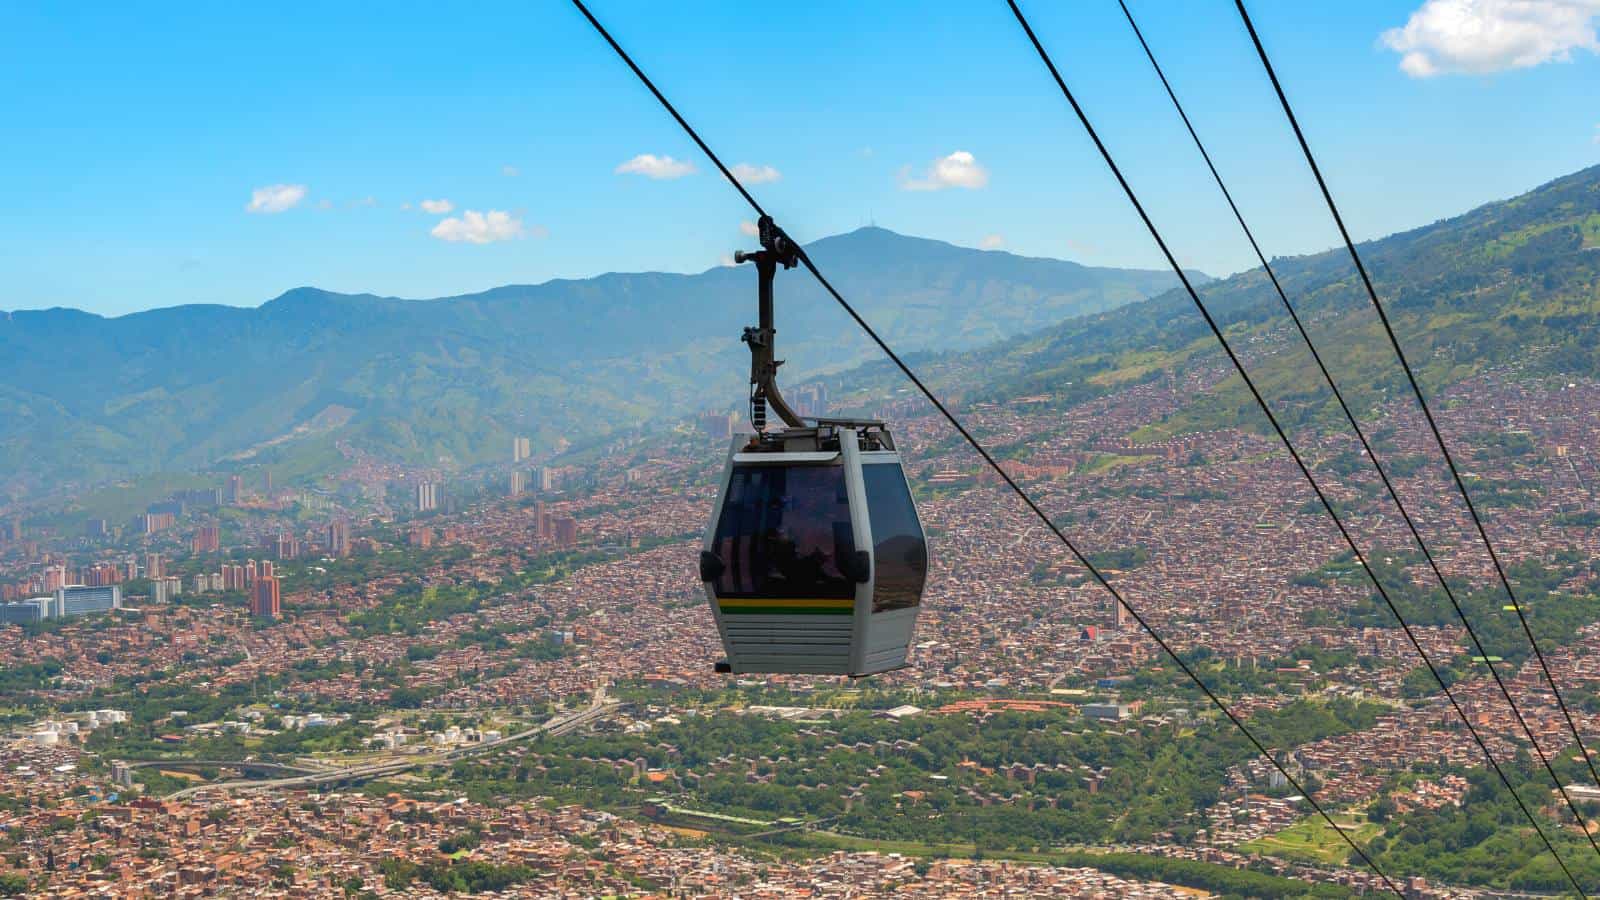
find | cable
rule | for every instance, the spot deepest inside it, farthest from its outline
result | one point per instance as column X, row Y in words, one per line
column 1416, row 388
column 672, row 110
column 1261, row 402
column 955, row 422
column 1355, row 426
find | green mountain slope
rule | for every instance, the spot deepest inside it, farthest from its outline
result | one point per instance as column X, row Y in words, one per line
column 84, row 397
column 1510, row 284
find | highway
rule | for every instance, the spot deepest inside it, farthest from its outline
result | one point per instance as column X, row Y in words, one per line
column 185, row 765
column 561, row 724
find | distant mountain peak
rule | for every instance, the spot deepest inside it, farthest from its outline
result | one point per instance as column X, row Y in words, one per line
column 306, row 295
column 184, row 386
column 312, row 299
column 299, row 293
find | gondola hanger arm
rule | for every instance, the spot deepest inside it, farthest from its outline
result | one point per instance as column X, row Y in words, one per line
column 776, row 250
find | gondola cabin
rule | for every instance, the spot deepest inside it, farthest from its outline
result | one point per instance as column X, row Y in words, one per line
column 816, row 560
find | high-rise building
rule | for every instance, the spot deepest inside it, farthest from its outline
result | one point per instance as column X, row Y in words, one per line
column 518, row 483
column 266, row 570
column 808, row 400
column 197, row 498
column 519, row 449
column 420, row 537
column 265, row 602
column 249, row 572
column 338, row 538
column 266, row 482
column 235, row 490
column 165, row 588
column 288, row 546
column 1119, row 616
column 95, row 529
column 154, row 565
column 54, row 577
column 548, row 477
column 541, row 522
column 207, row 539
column 101, row 575
column 427, row 496
column 150, row 523
column 78, row 600
column 566, row 531
column 11, row 529
column 718, row 425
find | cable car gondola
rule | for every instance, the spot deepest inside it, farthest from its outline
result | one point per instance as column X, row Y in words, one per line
column 815, row 559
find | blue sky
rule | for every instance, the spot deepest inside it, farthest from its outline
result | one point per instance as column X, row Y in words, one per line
column 137, row 135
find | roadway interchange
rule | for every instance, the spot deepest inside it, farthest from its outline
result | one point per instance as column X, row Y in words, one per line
column 559, row 725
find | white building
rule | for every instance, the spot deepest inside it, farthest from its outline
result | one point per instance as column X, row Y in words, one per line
column 427, row 496
column 77, row 600
column 165, row 589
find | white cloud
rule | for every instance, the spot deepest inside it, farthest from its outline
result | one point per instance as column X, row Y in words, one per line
column 275, row 198
column 749, row 229
column 367, row 202
column 749, row 174
column 436, row 207
column 480, row 228
column 726, row 261
column 510, row 171
column 324, row 204
column 1476, row 37
column 660, row 168
column 959, row 169
column 992, row 242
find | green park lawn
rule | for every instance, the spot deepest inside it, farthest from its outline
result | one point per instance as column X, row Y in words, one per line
column 1312, row 840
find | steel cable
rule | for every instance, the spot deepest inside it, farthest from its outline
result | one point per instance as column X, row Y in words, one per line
column 1028, row 500
column 1360, row 433
column 1283, row 436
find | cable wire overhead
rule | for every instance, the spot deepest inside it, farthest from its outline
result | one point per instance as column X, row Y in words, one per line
column 1023, row 495
column 1355, row 426
column 1416, row 388
column 1283, row 436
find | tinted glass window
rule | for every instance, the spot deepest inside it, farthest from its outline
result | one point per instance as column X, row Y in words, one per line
column 782, row 532
column 900, row 552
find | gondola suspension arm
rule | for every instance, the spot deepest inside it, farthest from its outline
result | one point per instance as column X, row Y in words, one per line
column 776, row 250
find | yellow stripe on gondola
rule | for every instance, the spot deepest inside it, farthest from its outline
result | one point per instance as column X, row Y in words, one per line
column 787, row 603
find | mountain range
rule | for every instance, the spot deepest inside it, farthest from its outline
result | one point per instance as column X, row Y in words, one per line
column 451, row 380
column 1512, row 285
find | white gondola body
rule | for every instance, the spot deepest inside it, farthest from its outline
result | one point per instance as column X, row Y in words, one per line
column 784, row 599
